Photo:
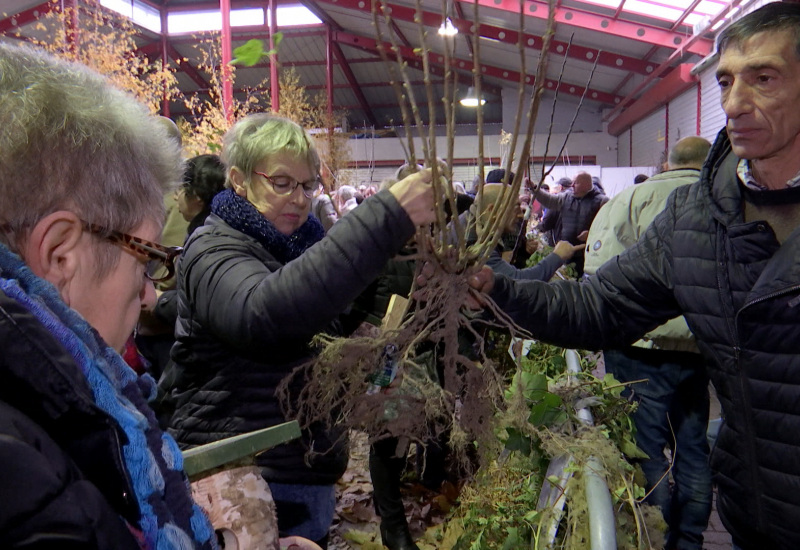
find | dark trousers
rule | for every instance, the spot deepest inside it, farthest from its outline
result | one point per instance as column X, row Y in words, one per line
column 673, row 399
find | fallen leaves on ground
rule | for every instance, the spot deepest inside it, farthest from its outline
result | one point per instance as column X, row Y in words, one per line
column 356, row 525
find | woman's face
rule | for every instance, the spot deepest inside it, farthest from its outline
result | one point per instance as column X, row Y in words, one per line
column 112, row 304
column 286, row 212
column 188, row 205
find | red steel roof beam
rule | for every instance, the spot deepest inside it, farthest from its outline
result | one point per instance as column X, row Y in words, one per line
column 467, row 66
column 25, row 17
column 351, row 78
column 619, row 9
column 591, row 21
column 672, row 85
column 464, row 26
column 686, row 13
column 676, row 55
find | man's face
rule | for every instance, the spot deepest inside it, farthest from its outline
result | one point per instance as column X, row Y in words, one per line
column 582, row 185
column 760, row 83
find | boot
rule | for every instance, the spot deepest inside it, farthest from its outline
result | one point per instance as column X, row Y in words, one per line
column 385, row 470
column 397, row 538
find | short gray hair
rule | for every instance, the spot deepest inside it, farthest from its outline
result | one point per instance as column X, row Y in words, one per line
column 258, row 137
column 70, row 141
column 773, row 17
column 689, row 152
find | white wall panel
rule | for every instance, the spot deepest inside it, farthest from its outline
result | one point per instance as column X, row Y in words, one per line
column 649, row 137
column 712, row 117
column 682, row 116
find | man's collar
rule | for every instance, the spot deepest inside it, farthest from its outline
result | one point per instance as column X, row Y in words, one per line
column 746, row 176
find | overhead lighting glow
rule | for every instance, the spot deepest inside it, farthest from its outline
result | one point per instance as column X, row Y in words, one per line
column 471, row 99
column 447, row 28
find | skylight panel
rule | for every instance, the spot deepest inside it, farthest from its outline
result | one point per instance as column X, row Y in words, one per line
column 146, row 16
column 653, row 9
column 141, row 14
column 665, row 10
column 607, row 3
column 296, row 15
column 211, row 20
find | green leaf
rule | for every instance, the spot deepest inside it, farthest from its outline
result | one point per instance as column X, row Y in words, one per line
column 359, row 537
column 512, row 540
column 518, row 442
column 477, row 544
column 533, row 386
column 252, row 51
column 547, row 411
column 630, row 450
column 612, row 385
column 533, row 517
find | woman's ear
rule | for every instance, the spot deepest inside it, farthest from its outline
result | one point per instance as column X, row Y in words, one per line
column 238, row 182
column 53, row 250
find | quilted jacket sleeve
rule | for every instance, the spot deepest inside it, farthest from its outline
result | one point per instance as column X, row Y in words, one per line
column 549, row 200
column 543, row 271
column 629, row 295
column 244, row 296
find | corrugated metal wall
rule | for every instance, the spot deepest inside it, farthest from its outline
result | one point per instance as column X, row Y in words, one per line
column 649, row 136
column 624, row 148
column 712, row 117
column 683, row 116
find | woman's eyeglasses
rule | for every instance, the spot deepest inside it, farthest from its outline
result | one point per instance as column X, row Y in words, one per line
column 285, row 185
column 161, row 264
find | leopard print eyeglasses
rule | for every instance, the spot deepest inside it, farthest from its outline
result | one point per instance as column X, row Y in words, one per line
column 161, row 264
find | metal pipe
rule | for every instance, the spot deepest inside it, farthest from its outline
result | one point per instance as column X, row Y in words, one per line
column 602, row 525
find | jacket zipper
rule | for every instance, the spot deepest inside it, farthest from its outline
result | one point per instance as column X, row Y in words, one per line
column 128, row 496
column 737, row 359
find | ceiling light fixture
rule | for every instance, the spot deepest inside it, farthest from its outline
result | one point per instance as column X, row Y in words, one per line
column 447, row 28
column 471, row 99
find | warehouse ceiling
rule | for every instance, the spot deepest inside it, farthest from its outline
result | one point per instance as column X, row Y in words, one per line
column 610, row 52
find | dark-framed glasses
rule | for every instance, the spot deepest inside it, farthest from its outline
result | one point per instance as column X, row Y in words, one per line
column 161, row 259
column 285, row 185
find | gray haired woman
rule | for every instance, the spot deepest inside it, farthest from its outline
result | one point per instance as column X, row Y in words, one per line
column 84, row 169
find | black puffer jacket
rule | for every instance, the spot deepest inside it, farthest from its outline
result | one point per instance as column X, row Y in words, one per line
column 63, row 483
column 575, row 214
column 245, row 321
column 739, row 290
column 372, row 304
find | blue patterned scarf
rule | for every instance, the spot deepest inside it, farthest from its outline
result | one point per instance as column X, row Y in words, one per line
column 241, row 215
column 169, row 517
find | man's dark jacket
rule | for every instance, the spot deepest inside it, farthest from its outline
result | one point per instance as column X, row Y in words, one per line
column 63, row 482
column 739, row 290
column 575, row 214
column 245, row 321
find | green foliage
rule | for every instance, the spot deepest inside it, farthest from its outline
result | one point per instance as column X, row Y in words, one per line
column 498, row 510
column 252, row 52
column 566, row 271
